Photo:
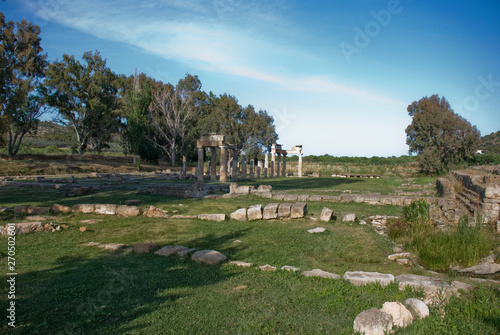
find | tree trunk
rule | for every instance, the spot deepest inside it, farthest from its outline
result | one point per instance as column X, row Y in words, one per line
column 172, row 154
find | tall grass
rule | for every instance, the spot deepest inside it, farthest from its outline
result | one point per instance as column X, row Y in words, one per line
column 439, row 250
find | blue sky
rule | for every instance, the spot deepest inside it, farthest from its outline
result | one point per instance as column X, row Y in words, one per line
column 336, row 75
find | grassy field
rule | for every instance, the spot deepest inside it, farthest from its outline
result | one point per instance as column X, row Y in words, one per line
column 64, row 287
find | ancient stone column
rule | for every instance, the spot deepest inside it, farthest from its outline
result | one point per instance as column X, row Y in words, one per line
column 213, row 164
column 201, row 154
column 234, row 175
column 184, row 167
column 208, row 169
column 266, row 161
column 284, row 165
column 243, row 166
column 278, row 167
column 258, row 172
column 252, row 175
column 272, row 169
column 300, row 164
column 223, row 164
column 266, row 173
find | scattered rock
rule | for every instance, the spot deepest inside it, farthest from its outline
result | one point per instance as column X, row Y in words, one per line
column 458, row 285
column 255, row 213
column 326, row 214
column 84, row 208
column 35, row 218
column 210, row 257
column 38, row 210
column 26, row 227
column 128, row 211
column 402, row 317
column 106, row 209
column 112, row 246
column 268, row 268
column 83, row 229
column 285, row 210
column 298, row 210
column 154, row 212
column 434, row 288
column 271, row 212
column 184, row 217
column 482, row 269
column 418, row 308
column 398, row 249
column 316, row 230
column 171, row 250
column 359, row 278
column 404, row 261
column 56, row 209
column 92, row 221
column 91, row 244
column 373, row 322
column 239, row 215
column 363, row 222
column 184, row 253
column 348, row 217
column 398, row 256
column 242, row 264
column 320, row 273
column 212, row 217
column 289, row 268
column 142, row 248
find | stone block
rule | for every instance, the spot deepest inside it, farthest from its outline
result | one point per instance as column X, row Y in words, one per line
column 25, row 227
column 255, row 213
column 267, row 268
column 320, row 273
column 316, row 230
column 299, row 209
column 348, row 217
column 38, row 210
column 290, row 268
column 326, row 214
column 154, row 212
column 128, row 211
column 278, row 196
column 330, row 198
column 241, row 264
column 212, row 217
column 239, row 215
column 373, row 322
column 171, row 250
column 270, row 212
column 265, row 188
column 290, row 197
column 185, row 217
column 105, row 209
column 359, row 278
column 142, row 248
column 60, row 209
column 418, row 308
column 84, row 208
column 303, row 197
column 285, row 210
column 316, row 198
column 402, row 317
column 398, row 255
column 20, row 210
column 210, row 257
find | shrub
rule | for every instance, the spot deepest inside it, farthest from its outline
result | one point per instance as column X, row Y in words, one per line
column 150, row 152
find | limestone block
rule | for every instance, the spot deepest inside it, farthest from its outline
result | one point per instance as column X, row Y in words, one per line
column 241, row 264
column 84, row 208
column 239, row 215
column 291, row 197
column 316, row 230
column 35, row 218
column 373, row 322
column 402, row 317
column 112, row 246
column 255, row 213
column 348, row 217
column 185, row 217
column 320, row 273
column 326, row 214
column 106, row 209
column 492, row 190
column 316, row 198
column 26, row 227
column 60, row 209
column 38, row 210
column 142, row 248
column 299, row 209
column 284, row 210
column 303, row 197
column 271, row 212
column 267, row 268
column 171, row 250
column 154, row 212
column 434, row 288
column 330, row 198
column 210, row 257
column 290, row 268
column 399, row 255
column 128, row 211
column 212, row 217
column 359, row 278
column 278, row 196
column 265, row 188
column 483, row 269
column 418, row 308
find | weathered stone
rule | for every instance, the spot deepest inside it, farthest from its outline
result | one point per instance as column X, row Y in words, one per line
column 171, row 250
column 290, row 197
column 418, row 308
column 267, row 268
column 56, row 209
column 210, row 257
column 298, row 210
column 326, row 214
column 320, row 273
column 482, row 269
column 128, row 211
column 492, row 190
column 112, row 246
column 289, row 268
column 182, row 254
column 106, row 209
column 373, row 322
column 26, row 227
column 397, row 256
column 458, row 285
column 255, row 213
column 154, row 212
column 402, row 317
column 37, row 210
column 359, row 278
column 316, row 230
column 241, row 264
column 82, row 229
column 84, row 208
column 212, row 217
column 185, row 217
column 35, row 218
column 284, row 210
column 303, row 197
column 434, row 288
column 404, row 261
column 91, row 244
column 133, row 202
column 92, row 221
column 316, row 198
column 330, row 198
column 142, row 248
column 271, row 212
column 4, row 209
column 239, row 215
column 348, row 217
column 265, row 188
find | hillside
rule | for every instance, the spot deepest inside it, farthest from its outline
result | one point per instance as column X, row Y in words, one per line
column 490, row 143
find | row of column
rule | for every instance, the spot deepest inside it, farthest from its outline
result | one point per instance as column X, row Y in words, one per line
column 264, row 169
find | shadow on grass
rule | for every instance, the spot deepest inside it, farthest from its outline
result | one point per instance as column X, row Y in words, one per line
column 303, row 183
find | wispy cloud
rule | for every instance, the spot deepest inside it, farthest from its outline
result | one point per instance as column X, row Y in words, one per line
column 192, row 32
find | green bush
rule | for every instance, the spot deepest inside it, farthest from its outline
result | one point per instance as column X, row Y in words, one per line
column 150, row 152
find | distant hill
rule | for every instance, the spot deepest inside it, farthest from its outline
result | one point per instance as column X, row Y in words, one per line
column 490, row 143
column 50, row 133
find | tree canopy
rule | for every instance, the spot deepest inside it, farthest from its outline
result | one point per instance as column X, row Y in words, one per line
column 438, row 135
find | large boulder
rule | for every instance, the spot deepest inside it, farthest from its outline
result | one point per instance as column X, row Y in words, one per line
column 270, row 212
column 299, row 209
column 359, row 278
column 418, row 308
column 210, row 257
column 402, row 317
column 239, row 215
column 373, row 322
column 255, row 213
column 326, row 214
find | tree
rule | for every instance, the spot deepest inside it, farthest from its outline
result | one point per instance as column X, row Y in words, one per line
column 23, row 66
column 85, row 95
column 439, row 136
